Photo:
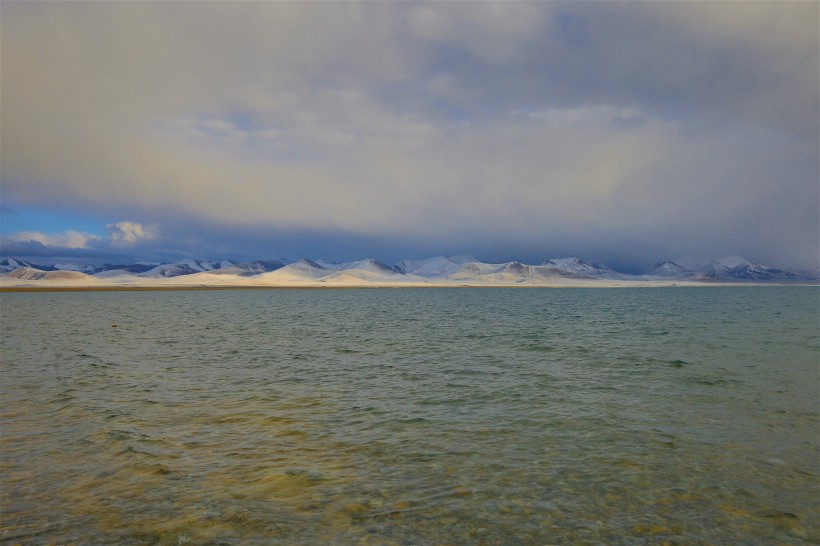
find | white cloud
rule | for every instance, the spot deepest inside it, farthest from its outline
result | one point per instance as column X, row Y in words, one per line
column 218, row 125
column 128, row 233
column 589, row 115
column 120, row 234
column 68, row 239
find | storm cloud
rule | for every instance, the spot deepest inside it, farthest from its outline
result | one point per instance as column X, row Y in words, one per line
column 625, row 132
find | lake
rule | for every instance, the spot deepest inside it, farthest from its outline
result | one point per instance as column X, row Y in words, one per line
column 411, row 416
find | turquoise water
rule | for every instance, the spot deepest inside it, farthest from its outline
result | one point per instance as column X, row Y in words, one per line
column 411, row 416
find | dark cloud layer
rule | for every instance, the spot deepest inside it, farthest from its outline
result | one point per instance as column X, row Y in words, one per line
column 624, row 132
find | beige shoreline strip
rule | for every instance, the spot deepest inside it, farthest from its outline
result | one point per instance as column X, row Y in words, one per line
column 183, row 287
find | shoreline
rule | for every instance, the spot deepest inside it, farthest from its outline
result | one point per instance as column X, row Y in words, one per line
column 188, row 288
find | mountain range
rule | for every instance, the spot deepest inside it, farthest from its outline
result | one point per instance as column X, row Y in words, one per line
column 460, row 269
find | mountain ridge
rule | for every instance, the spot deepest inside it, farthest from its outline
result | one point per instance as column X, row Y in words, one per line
column 437, row 268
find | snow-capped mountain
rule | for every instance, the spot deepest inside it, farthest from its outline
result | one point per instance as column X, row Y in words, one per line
column 10, row 264
column 461, row 270
column 735, row 268
column 581, row 267
column 309, row 272
column 83, row 268
column 185, row 267
column 247, row 269
column 31, row 274
column 304, row 267
column 668, row 268
column 109, row 271
column 513, row 272
column 438, row 266
column 368, row 264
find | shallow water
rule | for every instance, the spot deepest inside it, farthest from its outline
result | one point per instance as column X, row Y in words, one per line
column 415, row 416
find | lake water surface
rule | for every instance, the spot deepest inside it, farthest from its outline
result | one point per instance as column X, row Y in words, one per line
column 411, row 416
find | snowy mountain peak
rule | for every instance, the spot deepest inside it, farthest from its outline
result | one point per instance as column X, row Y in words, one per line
column 461, row 269
column 8, row 265
column 576, row 265
column 463, row 259
column 733, row 262
column 75, row 267
column 368, row 264
column 566, row 262
column 438, row 266
column 668, row 268
column 307, row 262
column 257, row 266
column 185, row 267
column 32, row 274
column 734, row 268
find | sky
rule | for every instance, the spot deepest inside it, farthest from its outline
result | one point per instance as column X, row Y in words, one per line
column 623, row 133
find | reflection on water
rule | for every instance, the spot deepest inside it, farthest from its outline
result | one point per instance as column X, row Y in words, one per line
column 476, row 416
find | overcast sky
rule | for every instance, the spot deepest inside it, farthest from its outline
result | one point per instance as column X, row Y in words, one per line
column 620, row 132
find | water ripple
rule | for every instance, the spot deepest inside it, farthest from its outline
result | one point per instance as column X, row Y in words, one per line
column 476, row 416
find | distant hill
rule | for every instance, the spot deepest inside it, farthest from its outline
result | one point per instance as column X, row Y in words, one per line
column 31, row 274
column 581, row 267
column 10, row 264
column 734, row 268
column 463, row 269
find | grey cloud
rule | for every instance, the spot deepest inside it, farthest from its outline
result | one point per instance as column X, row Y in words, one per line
column 664, row 56
column 653, row 128
column 35, row 250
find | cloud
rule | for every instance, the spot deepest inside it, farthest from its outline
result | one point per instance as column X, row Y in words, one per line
column 128, row 233
column 119, row 236
column 68, row 239
column 627, row 129
column 591, row 115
